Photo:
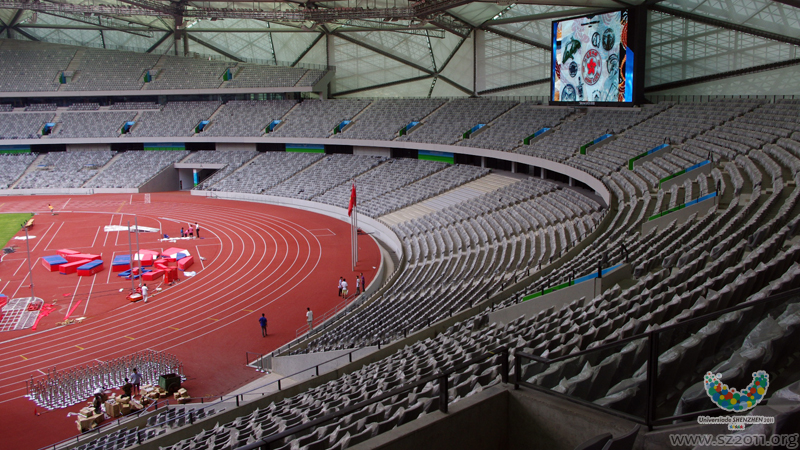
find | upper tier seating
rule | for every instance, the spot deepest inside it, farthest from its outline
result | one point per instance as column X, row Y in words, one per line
column 384, row 118
column 32, row 70
column 175, row 119
column 247, row 118
column 188, row 73
column 511, row 128
column 317, row 118
column 110, row 70
column 572, row 134
column 455, row 118
column 23, row 125
column 37, row 67
column 93, row 124
column 253, row 76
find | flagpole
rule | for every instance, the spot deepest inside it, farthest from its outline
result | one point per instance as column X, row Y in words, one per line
column 355, row 236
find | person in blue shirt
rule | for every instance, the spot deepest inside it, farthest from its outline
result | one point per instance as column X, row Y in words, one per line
column 263, row 321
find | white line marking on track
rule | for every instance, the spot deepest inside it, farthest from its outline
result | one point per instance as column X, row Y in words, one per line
column 197, row 248
column 91, row 288
column 43, row 234
column 108, row 279
column 54, row 236
column 73, row 296
column 97, row 233
column 65, row 204
column 20, row 266
column 109, row 222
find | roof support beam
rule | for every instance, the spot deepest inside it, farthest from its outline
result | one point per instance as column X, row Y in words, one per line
column 383, row 53
column 166, row 36
column 792, row 3
column 308, row 49
column 382, row 85
column 515, row 86
column 452, row 54
column 514, row 37
column 547, row 16
column 728, row 25
column 461, row 88
column 720, row 76
column 27, row 35
column 215, row 48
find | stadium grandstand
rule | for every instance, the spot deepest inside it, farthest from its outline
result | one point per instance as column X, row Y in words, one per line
column 579, row 220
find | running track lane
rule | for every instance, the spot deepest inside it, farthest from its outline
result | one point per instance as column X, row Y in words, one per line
column 268, row 261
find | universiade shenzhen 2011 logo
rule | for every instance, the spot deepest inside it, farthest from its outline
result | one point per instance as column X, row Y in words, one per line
column 730, row 399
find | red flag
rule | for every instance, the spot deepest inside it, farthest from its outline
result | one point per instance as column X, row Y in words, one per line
column 352, row 200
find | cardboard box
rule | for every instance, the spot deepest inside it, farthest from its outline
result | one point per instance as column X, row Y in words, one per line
column 112, row 408
column 125, row 408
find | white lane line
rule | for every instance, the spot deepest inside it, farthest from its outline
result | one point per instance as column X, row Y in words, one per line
column 65, row 204
column 197, row 249
column 97, row 233
column 73, row 296
column 91, row 288
column 106, row 238
column 47, row 247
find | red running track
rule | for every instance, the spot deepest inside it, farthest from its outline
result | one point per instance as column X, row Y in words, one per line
column 258, row 258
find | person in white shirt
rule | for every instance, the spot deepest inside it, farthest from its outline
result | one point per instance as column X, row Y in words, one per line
column 344, row 288
column 310, row 319
column 144, row 292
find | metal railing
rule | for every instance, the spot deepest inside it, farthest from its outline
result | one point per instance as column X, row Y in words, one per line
column 442, row 380
column 652, row 338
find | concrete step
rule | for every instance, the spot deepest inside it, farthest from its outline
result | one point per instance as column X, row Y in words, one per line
column 483, row 185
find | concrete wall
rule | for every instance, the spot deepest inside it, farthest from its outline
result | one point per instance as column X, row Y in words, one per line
column 563, row 297
column 705, row 170
column 605, row 141
column 185, row 179
column 291, row 365
column 478, row 422
column 166, row 180
column 71, row 191
column 236, row 146
column 539, row 421
column 83, row 147
column 372, row 151
column 653, row 155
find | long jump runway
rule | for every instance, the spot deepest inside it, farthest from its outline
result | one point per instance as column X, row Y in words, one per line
column 257, row 259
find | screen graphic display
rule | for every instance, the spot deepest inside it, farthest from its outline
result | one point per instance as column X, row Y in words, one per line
column 591, row 60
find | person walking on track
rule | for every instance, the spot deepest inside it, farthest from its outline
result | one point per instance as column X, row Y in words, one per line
column 144, row 293
column 263, row 321
column 310, row 319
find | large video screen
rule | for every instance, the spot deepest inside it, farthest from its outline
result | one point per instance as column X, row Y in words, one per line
column 591, row 60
